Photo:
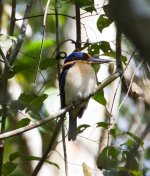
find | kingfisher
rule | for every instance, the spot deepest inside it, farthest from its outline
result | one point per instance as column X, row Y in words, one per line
column 77, row 82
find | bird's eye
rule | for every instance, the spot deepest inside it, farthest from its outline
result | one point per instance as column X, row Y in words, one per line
column 86, row 56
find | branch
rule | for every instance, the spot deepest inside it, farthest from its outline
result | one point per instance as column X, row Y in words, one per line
column 78, row 28
column 4, row 58
column 34, row 125
column 55, row 115
column 41, row 15
column 22, row 33
column 12, row 21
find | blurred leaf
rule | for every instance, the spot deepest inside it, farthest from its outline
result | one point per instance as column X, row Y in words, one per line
column 113, row 55
column 87, row 5
column 33, row 102
column 26, row 97
column 30, row 158
column 86, row 170
column 103, row 124
column 81, row 128
column 36, row 44
column 108, row 158
column 103, row 22
column 129, row 172
column 47, row 62
column 99, row 97
column 8, row 168
column 23, row 122
column 136, row 138
column 14, row 156
column 6, row 42
column 130, row 160
column 111, row 172
column 21, row 67
column 37, row 102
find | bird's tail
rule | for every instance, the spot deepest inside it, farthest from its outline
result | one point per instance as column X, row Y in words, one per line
column 72, row 134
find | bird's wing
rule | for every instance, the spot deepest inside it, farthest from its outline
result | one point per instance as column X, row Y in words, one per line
column 62, row 84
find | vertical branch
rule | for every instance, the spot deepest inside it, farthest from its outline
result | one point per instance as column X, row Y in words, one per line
column 4, row 91
column 13, row 17
column 78, row 28
column 1, row 12
column 118, row 50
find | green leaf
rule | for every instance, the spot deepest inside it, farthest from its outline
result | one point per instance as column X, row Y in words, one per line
column 26, row 97
column 36, row 44
column 37, row 102
column 33, row 102
column 130, row 160
column 8, row 168
column 103, row 22
column 113, row 55
column 30, row 158
column 129, row 172
column 105, row 47
column 108, row 158
column 47, row 62
column 99, row 97
column 23, row 122
column 81, row 128
column 94, row 49
column 136, row 138
column 103, row 124
column 87, row 5
column 14, row 156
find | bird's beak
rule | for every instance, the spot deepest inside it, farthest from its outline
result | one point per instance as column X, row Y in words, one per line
column 93, row 60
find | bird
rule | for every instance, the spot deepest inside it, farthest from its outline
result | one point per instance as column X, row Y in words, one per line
column 77, row 82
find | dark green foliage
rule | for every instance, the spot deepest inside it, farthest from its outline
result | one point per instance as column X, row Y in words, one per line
column 81, row 128
column 99, row 97
column 103, row 22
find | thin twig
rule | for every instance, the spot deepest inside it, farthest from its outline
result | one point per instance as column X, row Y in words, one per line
column 41, row 15
column 43, row 37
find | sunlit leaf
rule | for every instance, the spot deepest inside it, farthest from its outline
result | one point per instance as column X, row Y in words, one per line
column 6, row 42
column 36, row 44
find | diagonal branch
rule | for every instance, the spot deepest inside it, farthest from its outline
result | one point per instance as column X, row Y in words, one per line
column 22, row 33
column 57, row 114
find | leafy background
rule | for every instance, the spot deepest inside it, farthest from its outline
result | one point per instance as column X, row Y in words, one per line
column 33, row 94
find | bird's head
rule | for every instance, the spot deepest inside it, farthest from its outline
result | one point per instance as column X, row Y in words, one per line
column 86, row 58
